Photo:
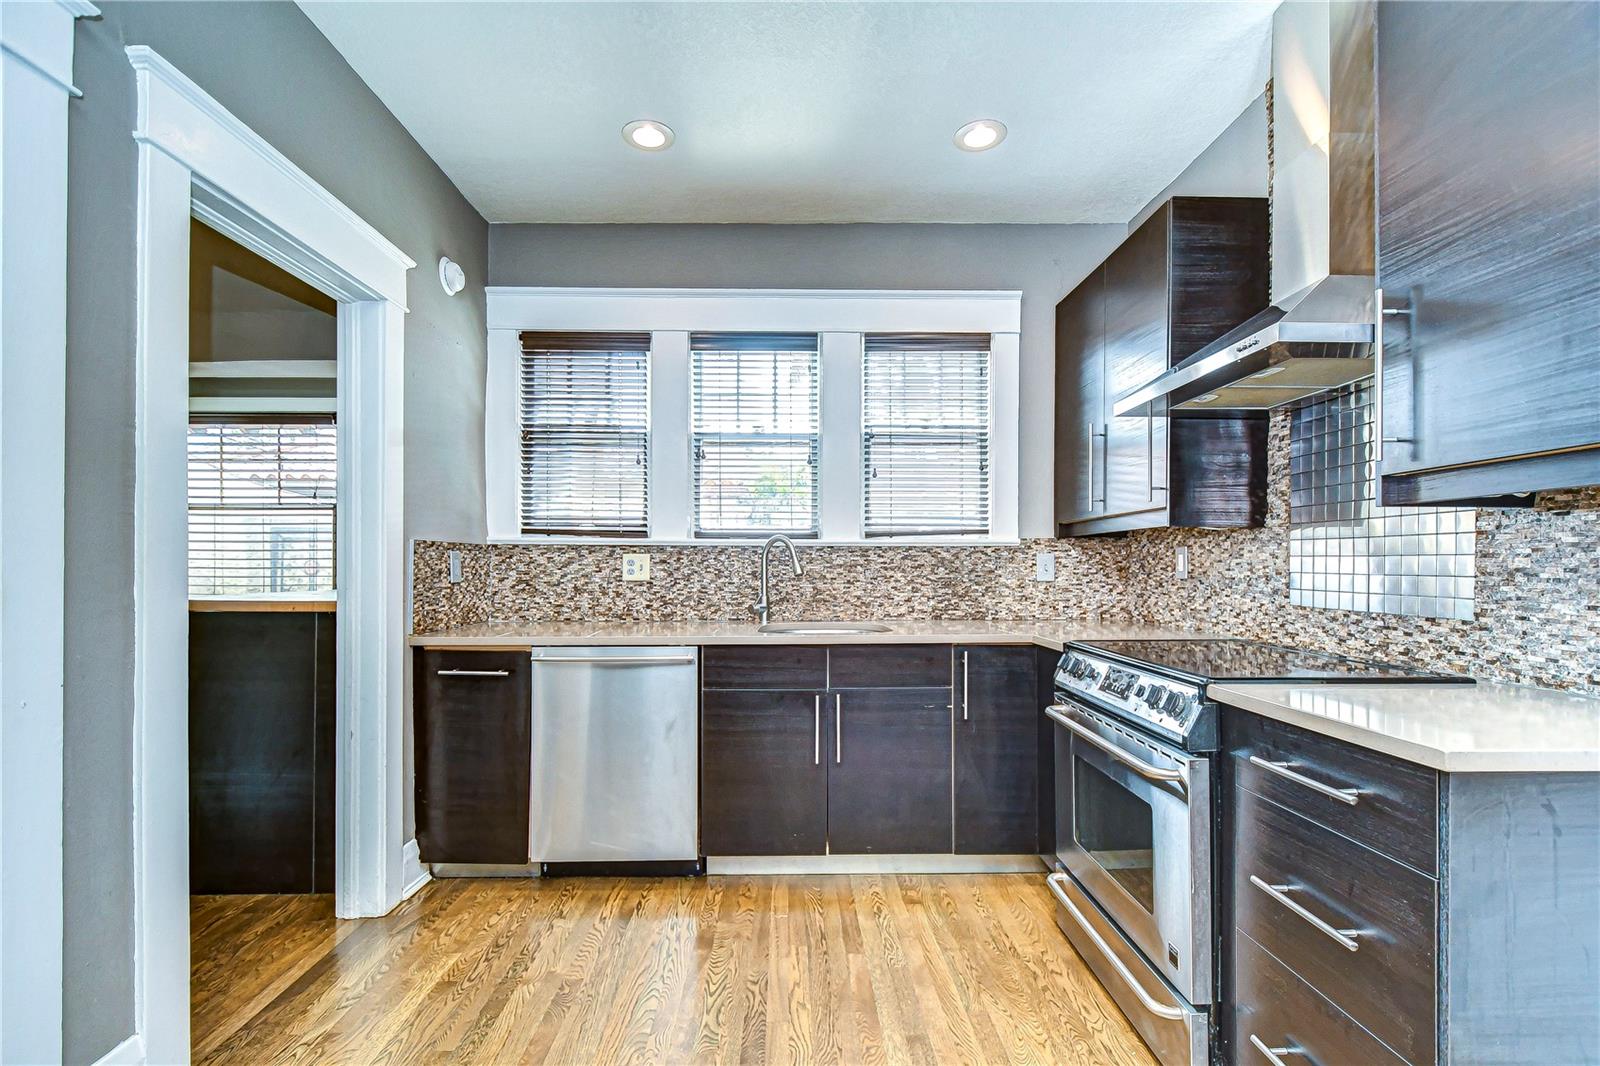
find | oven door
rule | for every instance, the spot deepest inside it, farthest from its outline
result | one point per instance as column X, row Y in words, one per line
column 1133, row 828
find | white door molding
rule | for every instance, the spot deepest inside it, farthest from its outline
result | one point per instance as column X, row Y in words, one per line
column 195, row 158
column 36, row 41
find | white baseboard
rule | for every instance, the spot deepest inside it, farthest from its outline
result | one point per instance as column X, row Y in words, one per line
column 128, row 1053
column 873, row 864
column 416, row 874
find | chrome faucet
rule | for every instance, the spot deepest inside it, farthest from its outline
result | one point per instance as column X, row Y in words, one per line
column 763, row 606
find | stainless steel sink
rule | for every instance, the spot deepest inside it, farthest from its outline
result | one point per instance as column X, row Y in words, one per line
column 822, row 629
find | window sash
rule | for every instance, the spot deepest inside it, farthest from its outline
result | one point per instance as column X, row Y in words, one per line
column 261, row 507
column 926, row 411
column 584, row 418
column 754, row 436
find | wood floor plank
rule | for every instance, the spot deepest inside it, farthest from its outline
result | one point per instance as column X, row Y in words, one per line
column 833, row 970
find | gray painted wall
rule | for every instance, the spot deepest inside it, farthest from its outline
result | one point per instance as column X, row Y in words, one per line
column 1235, row 164
column 267, row 64
column 1043, row 261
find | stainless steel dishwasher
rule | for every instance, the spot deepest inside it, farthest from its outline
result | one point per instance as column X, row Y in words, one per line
column 616, row 755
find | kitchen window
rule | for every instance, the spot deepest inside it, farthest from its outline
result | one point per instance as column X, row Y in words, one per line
column 925, row 430
column 585, row 434
column 754, row 435
column 261, row 506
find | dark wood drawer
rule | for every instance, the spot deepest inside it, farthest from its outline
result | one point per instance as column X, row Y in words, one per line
column 765, row 666
column 1386, row 910
column 889, row 666
column 1281, row 1011
column 1396, row 808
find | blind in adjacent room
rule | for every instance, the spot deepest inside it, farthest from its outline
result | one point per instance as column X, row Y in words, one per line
column 925, row 416
column 261, row 507
column 754, row 433
column 585, row 422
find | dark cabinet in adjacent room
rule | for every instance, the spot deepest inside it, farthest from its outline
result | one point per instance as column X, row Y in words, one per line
column 1488, row 211
column 261, row 751
column 1194, row 270
column 473, row 755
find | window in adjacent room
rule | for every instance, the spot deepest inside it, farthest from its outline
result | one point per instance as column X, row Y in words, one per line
column 754, row 434
column 261, row 506
column 585, row 429
column 925, row 417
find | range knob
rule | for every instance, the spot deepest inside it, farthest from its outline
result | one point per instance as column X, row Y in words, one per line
column 1155, row 697
column 1174, row 703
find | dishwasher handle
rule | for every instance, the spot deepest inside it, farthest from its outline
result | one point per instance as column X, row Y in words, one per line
column 616, row 660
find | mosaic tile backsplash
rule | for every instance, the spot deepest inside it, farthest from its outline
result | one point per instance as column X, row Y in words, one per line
column 1537, row 583
column 1346, row 551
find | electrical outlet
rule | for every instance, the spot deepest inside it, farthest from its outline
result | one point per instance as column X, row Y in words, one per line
column 1044, row 566
column 455, row 567
column 1181, row 564
column 636, row 567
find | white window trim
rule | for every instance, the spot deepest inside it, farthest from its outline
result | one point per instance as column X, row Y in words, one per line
column 840, row 316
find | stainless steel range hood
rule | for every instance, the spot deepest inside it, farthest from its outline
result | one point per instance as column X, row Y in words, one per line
column 1319, row 338
column 1318, row 334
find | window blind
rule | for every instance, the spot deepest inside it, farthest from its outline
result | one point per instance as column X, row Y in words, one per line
column 925, row 416
column 261, row 507
column 585, row 420
column 754, row 434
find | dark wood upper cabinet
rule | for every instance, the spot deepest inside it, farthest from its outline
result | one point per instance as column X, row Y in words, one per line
column 1194, row 270
column 763, row 781
column 889, row 775
column 474, row 712
column 997, row 714
column 1488, row 211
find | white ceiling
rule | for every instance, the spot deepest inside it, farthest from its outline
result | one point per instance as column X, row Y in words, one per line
column 808, row 112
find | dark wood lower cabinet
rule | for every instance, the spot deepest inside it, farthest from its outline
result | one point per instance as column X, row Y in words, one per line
column 763, row 782
column 473, row 753
column 889, row 779
column 997, row 715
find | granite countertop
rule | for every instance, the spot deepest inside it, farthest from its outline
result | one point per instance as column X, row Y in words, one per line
column 1052, row 634
column 1482, row 728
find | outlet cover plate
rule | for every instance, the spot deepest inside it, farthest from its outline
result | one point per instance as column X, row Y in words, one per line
column 636, row 567
column 455, row 567
column 1181, row 563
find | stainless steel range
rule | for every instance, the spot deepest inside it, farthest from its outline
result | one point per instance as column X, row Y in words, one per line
column 1136, row 794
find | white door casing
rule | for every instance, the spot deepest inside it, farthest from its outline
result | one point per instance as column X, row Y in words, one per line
column 196, row 159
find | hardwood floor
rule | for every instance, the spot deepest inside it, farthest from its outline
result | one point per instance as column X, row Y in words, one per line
column 825, row 969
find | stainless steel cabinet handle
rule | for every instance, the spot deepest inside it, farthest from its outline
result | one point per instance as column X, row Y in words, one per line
column 816, row 734
column 1346, row 938
column 1273, row 1054
column 1094, row 499
column 1146, row 770
column 1347, row 796
column 1160, row 1010
column 966, row 687
column 616, row 660
column 1378, row 439
column 473, row 673
column 838, row 729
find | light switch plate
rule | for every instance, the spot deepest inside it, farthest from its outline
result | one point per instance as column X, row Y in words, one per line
column 636, row 567
column 1044, row 566
column 1181, row 564
column 455, row 567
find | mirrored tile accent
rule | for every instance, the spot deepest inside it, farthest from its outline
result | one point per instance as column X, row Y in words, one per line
column 1346, row 551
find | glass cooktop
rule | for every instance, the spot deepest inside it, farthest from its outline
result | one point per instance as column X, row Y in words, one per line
column 1249, row 660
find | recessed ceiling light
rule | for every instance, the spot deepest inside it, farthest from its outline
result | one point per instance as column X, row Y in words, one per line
column 648, row 136
column 980, row 136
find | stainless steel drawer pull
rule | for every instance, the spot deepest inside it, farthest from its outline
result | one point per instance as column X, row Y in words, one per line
column 1273, row 1055
column 1160, row 1010
column 1346, row 938
column 816, row 734
column 1349, row 796
column 616, row 660
column 1149, row 771
column 473, row 673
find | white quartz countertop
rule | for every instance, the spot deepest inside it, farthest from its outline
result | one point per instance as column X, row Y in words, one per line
column 1052, row 634
column 1482, row 728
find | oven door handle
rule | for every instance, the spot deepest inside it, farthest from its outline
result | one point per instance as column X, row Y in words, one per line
column 1160, row 1010
column 1146, row 770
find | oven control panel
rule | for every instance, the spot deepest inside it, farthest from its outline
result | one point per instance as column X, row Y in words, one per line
column 1172, row 706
